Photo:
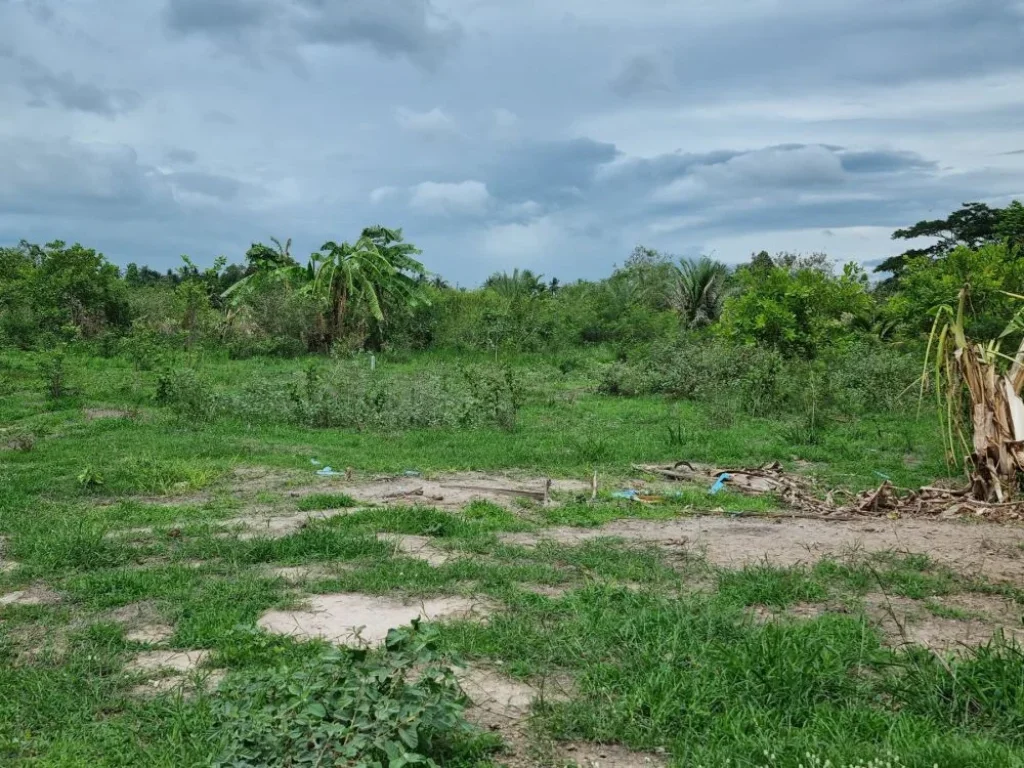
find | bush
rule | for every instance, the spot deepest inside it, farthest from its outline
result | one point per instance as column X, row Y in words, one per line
column 865, row 376
column 400, row 707
column 188, row 394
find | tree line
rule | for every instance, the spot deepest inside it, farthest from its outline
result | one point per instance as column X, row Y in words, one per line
column 375, row 293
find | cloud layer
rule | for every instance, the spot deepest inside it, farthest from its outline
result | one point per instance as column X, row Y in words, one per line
column 553, row 136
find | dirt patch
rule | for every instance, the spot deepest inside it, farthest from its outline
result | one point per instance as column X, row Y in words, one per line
column 177, row 661
column 909, row 622
column 94, row 414
column 297, row 574
column 762, row 614
column 589, row 755
column 172, row 672
column 34, row 595
column 356, row 619
column 735, row 543
column 186, row 685
column 547, row 590
column 419, row 547
column 262, row 523
column 499, row 701
column 142, row 621
column 455, row 491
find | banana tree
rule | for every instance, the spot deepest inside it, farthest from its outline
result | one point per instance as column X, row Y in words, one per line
column 992, row 382
column 378, row 271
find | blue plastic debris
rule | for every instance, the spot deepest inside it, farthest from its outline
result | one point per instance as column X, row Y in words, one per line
column 720, row 483
column 315, row 463
column 628, row 494
column 411, row 473
column 328, row 472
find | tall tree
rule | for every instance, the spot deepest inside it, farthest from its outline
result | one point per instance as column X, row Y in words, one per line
column 973, row 225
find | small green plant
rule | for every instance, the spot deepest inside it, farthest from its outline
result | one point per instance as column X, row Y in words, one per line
column 54, row 372
column 402, row 706
column 89, row 479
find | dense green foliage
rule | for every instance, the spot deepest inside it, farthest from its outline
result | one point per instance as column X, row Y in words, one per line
column 373, row 294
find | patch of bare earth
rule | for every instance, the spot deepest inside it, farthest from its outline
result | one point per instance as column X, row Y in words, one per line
column 418, row 547
column 589, row 755
column 459, row 490
column 762, row 614
column 263, row 523
column 37, row 594
column 735, row 543
column 297, row 574
column 143, row 623
column 172, row 671
column 909, row 622
column 356, row 619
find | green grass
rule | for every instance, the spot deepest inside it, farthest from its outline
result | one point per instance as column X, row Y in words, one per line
column 662, row 651
column 320, row 501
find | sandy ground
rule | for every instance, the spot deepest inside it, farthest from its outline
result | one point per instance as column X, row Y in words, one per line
column 994, row 552
column 364, row 619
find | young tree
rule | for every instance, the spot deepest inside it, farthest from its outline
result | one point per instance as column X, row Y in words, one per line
column 697, row 291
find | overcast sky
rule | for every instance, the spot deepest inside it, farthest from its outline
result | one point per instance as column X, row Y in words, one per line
column 548, row 134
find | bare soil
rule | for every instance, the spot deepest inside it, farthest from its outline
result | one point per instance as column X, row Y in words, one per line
column 143, row 623
column 37, row 594
column 455, row 491
column 734, row 543
column 909, row 622
column 419, row 547
column 356, row 619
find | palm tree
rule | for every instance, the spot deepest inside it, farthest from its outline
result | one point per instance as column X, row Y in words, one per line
column 697, row 291
column 521, row 283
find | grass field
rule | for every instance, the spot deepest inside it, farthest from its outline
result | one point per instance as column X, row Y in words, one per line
column 146, row 542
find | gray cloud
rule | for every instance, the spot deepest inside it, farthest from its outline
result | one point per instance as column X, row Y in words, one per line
column 215, row 16
column 548, row 170
column 640, row 75
column 882, row 161
column 558, row 135
column 180, row 156
column 208, row 184
column 410, row 28
column 46, row 87
column 64, row 178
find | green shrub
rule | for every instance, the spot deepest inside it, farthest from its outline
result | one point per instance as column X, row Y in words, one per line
column 187, row 393
column 402, row 706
